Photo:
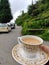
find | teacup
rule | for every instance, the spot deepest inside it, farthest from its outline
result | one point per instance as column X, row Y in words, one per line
column 30, row 45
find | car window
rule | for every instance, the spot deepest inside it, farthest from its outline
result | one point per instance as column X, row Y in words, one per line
column 3, row 25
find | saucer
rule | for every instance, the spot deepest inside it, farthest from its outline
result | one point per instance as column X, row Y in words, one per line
column 19, row 55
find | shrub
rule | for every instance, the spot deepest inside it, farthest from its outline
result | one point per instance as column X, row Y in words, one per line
column 22, row 18
column 24, row 29
column 45, row 35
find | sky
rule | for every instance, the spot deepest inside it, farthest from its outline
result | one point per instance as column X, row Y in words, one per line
column 18, row 5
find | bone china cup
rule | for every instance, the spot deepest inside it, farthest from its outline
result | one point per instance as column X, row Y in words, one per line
column 30, row 45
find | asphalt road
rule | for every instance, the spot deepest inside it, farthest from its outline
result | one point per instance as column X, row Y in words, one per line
column 7, row 42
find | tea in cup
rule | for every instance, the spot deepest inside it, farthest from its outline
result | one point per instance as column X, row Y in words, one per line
column 30, row 45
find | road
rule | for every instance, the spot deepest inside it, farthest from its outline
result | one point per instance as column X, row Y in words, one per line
column 7, row 42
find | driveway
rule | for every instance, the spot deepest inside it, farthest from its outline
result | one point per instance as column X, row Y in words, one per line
column 7, row 42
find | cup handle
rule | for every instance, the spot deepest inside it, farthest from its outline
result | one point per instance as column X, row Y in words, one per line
column 19, row 40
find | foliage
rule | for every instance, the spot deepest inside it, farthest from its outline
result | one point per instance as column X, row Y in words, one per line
column 24, row 29
column 32, row 10
column 21, row 19
column 5, row 12
column 45, row 35
column 37, row 17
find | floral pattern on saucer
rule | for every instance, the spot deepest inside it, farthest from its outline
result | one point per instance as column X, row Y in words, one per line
column 16, row 53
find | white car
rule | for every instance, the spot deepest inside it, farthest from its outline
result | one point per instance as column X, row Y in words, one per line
column 4, row 28
column 12, row 24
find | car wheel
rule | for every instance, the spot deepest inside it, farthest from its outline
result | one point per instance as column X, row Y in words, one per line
column 14, row 26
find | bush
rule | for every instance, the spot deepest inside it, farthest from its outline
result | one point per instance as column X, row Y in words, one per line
column 19, row 20
column 37, row 17
column 24, row 29
column 22, row 18
column 45, row 35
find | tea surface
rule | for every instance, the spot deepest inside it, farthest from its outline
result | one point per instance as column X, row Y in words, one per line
column 31, row 41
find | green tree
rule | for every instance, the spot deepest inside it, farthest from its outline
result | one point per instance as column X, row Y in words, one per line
column 5, row 11
column 31, row 8
column 44, row 1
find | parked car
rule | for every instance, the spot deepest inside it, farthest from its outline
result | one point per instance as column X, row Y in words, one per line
column 4, row 28
column 12, row 24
